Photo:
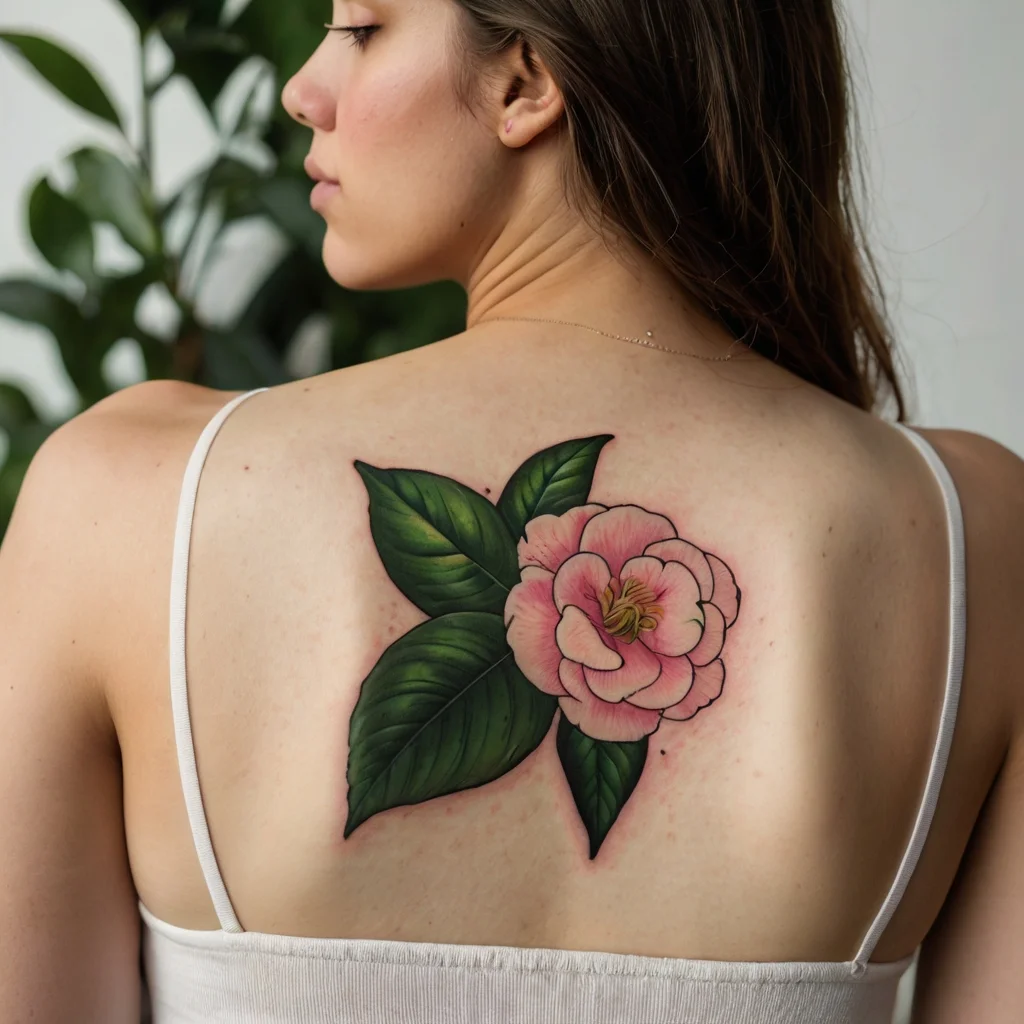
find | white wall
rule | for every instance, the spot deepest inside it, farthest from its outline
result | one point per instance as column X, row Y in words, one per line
column 945, row 137
column 945, row 134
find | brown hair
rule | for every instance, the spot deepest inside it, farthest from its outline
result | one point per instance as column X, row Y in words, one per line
column 716, row 134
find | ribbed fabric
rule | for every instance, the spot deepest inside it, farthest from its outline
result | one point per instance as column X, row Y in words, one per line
column 236, row 977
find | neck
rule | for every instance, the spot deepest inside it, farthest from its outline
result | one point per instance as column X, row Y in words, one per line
column 560, row 271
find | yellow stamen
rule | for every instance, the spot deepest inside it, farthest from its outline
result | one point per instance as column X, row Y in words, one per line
column 632, row 612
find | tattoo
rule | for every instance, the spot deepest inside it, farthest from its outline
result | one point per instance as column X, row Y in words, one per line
column 545, row 602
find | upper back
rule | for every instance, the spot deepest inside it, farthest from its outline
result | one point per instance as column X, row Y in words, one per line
column 769, row 826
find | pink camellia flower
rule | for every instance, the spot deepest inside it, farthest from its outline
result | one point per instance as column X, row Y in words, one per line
column 620, row 619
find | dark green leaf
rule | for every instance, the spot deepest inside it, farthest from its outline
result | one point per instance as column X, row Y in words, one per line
column 286, row 202
column 170, row 13
column 444, row 546
column 285, row 300
column 111, row 191
column 38, row 303
column 444, row 709
column 81, row 340
column 601, row 776
column 62, row 232
column 286, row 34
column 16, row 408
column 66, row 73
column 206, row 56
column 551, row 482
column 239, row 360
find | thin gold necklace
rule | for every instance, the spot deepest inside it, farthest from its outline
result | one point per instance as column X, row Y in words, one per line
column 636, row 341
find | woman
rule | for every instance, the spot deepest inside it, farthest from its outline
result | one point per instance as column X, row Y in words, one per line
column 539, row 674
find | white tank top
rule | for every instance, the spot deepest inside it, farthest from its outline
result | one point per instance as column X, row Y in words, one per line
column 233, row 976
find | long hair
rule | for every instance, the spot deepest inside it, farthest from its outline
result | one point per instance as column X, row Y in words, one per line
column 716, row 134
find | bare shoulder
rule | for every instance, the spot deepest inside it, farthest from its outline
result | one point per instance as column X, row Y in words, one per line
column 990, row 482
column 97, row 502
column 970, row 961
column 82, row 571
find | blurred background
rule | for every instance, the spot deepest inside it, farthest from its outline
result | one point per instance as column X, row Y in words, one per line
column 155, row 220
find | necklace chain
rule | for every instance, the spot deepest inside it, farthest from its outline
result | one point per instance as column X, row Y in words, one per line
column 645, row 342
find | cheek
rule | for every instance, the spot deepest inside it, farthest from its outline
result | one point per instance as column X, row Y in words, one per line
column 391, row 117
column 403, row 140
column 419, row 176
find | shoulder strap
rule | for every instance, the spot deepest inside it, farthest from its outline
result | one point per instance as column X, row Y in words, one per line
column 947, row 720
column 179, row 686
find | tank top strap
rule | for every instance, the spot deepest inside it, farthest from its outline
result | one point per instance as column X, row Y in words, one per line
column 179, row 686
column 950, row 702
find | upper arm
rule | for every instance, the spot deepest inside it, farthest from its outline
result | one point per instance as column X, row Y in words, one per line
column 69, row 925
column 970, row 967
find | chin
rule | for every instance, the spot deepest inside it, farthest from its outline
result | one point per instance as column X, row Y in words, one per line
column 358, row 270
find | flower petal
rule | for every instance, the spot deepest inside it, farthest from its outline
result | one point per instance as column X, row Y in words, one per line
column 530, row 621
column 580, row 640
column 689, row 555
column 726, row 594
column 711, row 643
column 676, row 590
column 707, row 688
column 580, row 581
column 619, row 723
column 550, row 539
column 640, row 667
column 669, row 688
column 622, row 532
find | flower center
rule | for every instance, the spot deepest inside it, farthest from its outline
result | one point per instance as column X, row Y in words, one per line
column 631, row 611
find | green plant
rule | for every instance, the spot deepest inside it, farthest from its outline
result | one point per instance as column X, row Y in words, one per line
column 256, row 173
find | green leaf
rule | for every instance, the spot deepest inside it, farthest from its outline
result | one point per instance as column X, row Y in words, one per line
column 16, row 408
column 37, row 303
column 286, row 202
column 110, row 191
column 62, row 232
column 551, row 482
column 206, row 55
column 240, row 360
column 81, row 340
column 601, row 775
column 444, row 546
column 66, row 73
column 444, row 709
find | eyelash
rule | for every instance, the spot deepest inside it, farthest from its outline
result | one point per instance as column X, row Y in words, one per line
column 360, row 34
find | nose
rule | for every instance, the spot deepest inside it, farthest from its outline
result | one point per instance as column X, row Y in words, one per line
column 308, row 101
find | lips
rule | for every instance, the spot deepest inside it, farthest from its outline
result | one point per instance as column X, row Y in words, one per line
column 316, row 173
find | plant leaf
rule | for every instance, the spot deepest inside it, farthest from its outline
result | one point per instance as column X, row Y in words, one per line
column 108, row 190
column 601, row 775
column 286, row 202
column 38, row 303
column 240, row 359
column 444, row 546
column 62, row 232
column 66, row 73
column 16, row 408
column 444, row 709
column 551, row 482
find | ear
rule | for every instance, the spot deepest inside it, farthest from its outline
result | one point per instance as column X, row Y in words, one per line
column 533, row 102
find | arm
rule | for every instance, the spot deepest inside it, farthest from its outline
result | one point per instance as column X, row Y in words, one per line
column 971, row 966
column 69, row 926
